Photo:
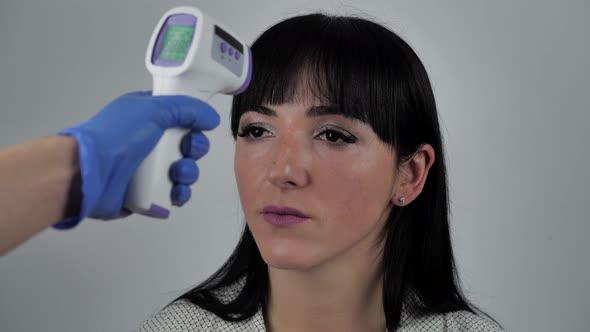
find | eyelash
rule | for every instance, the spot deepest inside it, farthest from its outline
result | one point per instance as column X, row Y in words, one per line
column 246, row 131
column 344, row 137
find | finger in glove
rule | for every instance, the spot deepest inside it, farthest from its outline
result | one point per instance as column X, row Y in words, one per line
column 194, row 145
column 180, row 194
column 184, row 171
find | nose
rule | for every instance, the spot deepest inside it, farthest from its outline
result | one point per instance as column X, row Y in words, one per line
column 289, row 167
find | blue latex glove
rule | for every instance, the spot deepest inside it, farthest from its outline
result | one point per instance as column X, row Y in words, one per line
column 114, row 142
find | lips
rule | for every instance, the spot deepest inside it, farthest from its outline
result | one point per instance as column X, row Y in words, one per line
column 283, row 216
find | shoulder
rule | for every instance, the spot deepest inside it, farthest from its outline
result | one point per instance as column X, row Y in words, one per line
column 183, row 315
column 457, row 321
column 468, row 321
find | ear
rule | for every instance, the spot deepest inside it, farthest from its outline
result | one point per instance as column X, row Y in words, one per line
column 412, row 176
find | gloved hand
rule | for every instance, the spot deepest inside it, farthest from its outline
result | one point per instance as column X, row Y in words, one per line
column 114, row 142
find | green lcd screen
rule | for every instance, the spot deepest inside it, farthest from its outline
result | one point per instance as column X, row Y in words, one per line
column 177, row 42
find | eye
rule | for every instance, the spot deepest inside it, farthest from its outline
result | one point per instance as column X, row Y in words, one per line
column 253, row 132
column 335, row 136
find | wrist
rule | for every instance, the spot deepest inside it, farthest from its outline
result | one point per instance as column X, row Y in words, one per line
column 69, row 146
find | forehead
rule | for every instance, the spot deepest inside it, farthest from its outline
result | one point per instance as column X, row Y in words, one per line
column 307, row 110
column 305, row 95
column 307, row 88
column 301, row 98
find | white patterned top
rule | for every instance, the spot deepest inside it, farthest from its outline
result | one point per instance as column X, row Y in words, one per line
column 183, row 316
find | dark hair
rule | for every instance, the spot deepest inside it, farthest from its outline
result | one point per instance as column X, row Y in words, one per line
column 371, row 74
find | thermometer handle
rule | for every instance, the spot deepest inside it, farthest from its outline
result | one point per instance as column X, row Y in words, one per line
column 149, row 192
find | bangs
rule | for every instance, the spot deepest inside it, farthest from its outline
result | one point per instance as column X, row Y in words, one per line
column 334, row 59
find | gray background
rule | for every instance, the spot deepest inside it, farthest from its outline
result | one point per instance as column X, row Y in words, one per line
column 511, row 81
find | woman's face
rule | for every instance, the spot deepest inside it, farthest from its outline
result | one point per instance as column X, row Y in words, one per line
column 314, row 185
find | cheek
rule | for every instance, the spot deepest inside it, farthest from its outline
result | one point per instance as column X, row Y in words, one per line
column 249, row 167
column 356, row 190
column 243, row 165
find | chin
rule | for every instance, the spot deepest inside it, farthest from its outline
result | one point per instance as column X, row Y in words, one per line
column 284, row 257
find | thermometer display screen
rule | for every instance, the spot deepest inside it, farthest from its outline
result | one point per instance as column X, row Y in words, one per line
column 177, row 42
column 174, row 40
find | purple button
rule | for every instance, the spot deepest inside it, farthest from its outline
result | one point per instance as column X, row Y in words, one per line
column 223, row 47
column 237, row 56
column 230, row 51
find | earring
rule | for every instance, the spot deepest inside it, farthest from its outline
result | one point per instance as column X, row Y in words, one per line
column 401, row 199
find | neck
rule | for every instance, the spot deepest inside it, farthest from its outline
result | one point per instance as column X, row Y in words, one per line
column 345, row 296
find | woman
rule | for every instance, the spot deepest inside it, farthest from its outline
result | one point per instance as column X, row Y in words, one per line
column 340, row 169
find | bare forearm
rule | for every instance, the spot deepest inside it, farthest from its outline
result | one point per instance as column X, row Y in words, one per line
column 39, row 185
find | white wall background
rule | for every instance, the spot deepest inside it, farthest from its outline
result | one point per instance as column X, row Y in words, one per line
column 511, row 80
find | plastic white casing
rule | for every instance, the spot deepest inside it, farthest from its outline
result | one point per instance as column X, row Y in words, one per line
column 200, row 76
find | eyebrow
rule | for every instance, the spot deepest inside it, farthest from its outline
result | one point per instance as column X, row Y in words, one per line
column 313, row 111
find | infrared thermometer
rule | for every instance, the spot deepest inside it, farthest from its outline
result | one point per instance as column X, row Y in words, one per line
column 189, row 53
